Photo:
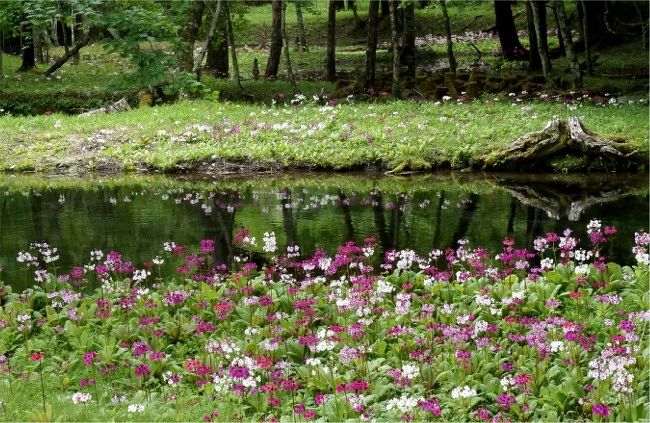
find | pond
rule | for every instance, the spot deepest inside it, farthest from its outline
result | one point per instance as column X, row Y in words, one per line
column 136, row 215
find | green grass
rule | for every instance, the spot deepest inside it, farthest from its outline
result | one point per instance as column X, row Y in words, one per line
column 20, row 404
column 391, row 135
column 254, row 28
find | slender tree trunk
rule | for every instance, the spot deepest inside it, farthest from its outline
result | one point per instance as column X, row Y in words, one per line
column 569, row 50
column 585, row 36
column 75, row 49
column 233, row 50
column 189, row 32
column 371, row 44
column 395, row 40
column 385, row 8
column 285, row 40
column 217, row 62
column 407, row 56
column 38, row 45
column 534, row 62
column 73, row 27
column 47, row 44
column 597, row 32
column 29, row 59
column 275, row 52
column 55, row 31
column 66, row 37
column 511, row 48
column 198, row 61
column 78, row 27
column 302, row 39
column 330, row 63
column 539, row 18
column 450, row 44
column 2, row 45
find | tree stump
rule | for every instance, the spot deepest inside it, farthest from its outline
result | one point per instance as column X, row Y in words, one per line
column 562, row 140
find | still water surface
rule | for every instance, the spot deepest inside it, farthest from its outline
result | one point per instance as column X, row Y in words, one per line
column 135, row 215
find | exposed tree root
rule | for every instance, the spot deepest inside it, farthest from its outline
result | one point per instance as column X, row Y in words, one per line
column 559, row 140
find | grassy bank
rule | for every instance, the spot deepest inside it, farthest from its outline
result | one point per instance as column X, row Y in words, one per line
column 205, row 135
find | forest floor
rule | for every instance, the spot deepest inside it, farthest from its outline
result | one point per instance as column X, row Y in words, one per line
column 301, row 133
column 103, row 76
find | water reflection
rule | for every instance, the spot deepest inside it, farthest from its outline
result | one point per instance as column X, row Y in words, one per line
column 136, row 215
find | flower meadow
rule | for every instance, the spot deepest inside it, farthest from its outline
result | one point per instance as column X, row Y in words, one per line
column 550, row 331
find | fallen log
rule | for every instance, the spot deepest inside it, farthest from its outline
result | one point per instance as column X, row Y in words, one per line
column 118, row 106
column 561, row 139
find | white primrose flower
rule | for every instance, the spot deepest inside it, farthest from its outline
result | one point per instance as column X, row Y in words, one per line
column 404, row 404
column 464, row 392
column 80, row 397
column 270, row 244
column 557, row 346
column 410, row 371
column 135, row 408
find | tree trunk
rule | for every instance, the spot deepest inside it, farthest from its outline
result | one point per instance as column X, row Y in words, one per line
column 189, row 32
column 569, row 50
column 216, row 61
column 55, row 33
column 78, row 31
column 371, row 45
column 275, row 52
column 385, row 8
column 395, row 41
column 330, row 63
column 511, row 48
column 29, row 59
column 66, row 37
column 450, row 44
column 302, row 39
column 233, row 50
column 585, row 36
column 74, row 50
column 285, row 40
column 50, row 40
column 534, row 62
column 539, row 18
column 595, row 18
column 38, row 45
column 407, row 56
column 198, row 61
